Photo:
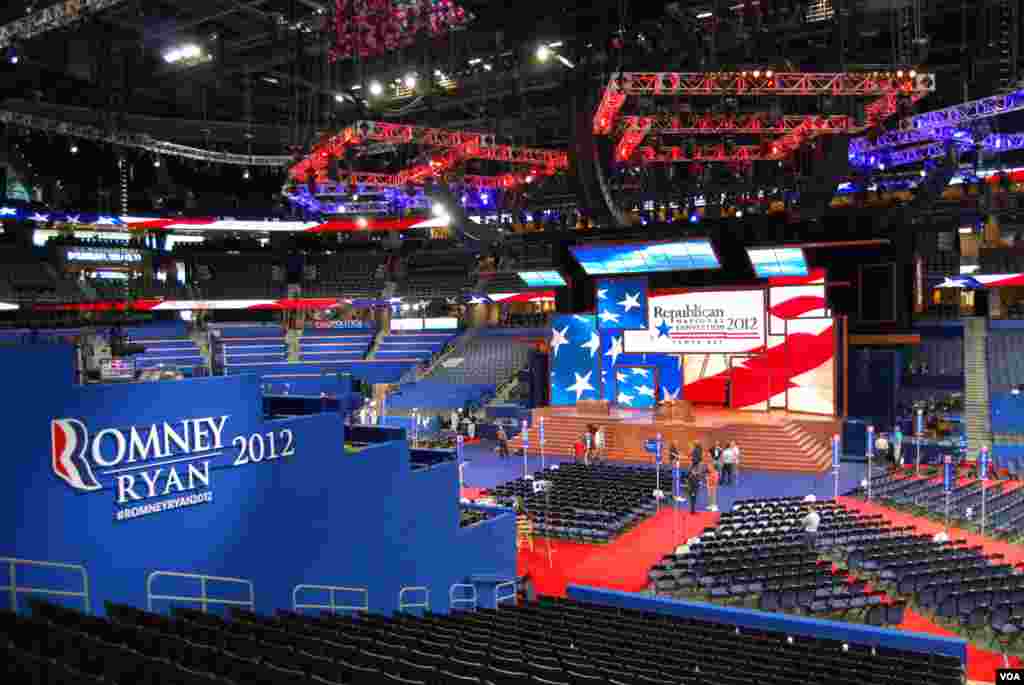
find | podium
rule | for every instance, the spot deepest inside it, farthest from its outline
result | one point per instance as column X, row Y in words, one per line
column 594, row 407
column 676, row 410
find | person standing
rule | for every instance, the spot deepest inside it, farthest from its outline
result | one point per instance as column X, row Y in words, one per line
column 693, row 478
column 728, row 463
column 588, row 443
column 716, row 455
column 579, row 449
column 502, row 443
column 810, row 525
column 711, row 478
column 882, row 447
column 696, row 454
column 897, row 446
column 599, row 443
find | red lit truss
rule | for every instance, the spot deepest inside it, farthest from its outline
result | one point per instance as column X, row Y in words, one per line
column 457, row 145
column 885, row 87
column 400, row 180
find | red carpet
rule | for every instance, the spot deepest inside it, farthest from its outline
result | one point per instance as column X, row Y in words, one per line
column 619, row 565
column 981, row 664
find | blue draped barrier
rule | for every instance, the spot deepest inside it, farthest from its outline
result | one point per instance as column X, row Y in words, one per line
column 761, row 620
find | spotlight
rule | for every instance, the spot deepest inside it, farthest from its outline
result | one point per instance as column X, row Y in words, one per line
column 485, row 198
column 361, row 222
column 438, row 209
column 12, row 54
column 376, row 88
column 246, row 174
column 739, row 213
column 410, row 81
column 543, row 53
column 339, row 98
column 74, row 149
column 156, row 162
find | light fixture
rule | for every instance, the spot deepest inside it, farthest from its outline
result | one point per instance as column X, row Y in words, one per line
column 543, row 53
column 739, row 213
column 704, row 15
column 487, row 67
column 183, row 53
column 438, row 209
column 12, row 54
column 1015, row 390
column 156, row 162
column 361, row 222
column 246, row 175
column 376, row 88
column 339, row 98
column 410, row 81
column 74, row 149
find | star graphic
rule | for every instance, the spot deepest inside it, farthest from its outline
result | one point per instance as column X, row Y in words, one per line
column 594, row 344
column 106, row 221
column 607, row 316
column 39, row 217
column 669, row 395
column 631, row 302
column 558, row 338
column 623, row 398
column 395, row 300
column 621, row 378
column 641, row 372
column 602, row 293
column 615, row 349
column 664, row 329
column 478, row 300
column 581, row 385
column 645, row 391
column 8, row 211
column 73, row 218
column 580, row 317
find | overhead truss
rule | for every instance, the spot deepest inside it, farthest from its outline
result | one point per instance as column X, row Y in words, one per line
column 995, row 142
column 57, row 16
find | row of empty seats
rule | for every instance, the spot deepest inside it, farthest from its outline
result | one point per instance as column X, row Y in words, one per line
column 1005, row 361
column 247, row 348
column 419, row 346
column 551, row 642
column 330, row 345
column 491, row 360
column 941, row 356
column 179, row 352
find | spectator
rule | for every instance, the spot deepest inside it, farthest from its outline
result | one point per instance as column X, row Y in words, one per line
column 716, row 455
column 882, row 446
column 810, row 525
column 711, row 478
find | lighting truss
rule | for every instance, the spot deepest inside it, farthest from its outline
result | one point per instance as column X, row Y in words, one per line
column 472, row 145
column 753, row 124
column 57, row 16
column 753, row 83
column 944, row 122
column 348, row 180
column 996, row 142
column 705, row 153
column 139, row 141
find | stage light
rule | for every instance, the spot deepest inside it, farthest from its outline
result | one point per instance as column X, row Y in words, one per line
column 739, row 213
column 487, row 67
column 361, row 222
column 376, row 88
column 246, row 175
column 543, row 53
column 704, row 15
column 156, row 162
column 484, row 198
column 339, row 98
column 438, row 209
column 12, row 54
column 694, row 217
column 74, row 149
column 410, row 81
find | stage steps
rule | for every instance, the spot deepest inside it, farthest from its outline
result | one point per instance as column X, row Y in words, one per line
column 783, row 445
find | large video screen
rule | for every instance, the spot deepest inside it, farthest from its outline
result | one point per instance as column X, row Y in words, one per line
column 701, row 321
column 777, row 261
column 635, row 258
column 536, row 279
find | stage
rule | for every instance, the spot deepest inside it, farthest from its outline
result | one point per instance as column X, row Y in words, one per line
column 776, row 440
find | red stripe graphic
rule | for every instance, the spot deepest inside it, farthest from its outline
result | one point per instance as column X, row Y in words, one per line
column 796, row 307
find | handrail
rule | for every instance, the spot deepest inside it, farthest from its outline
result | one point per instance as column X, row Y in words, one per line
column 333, row 590
column 425, row 604
column 204, row 599
column 499, row 598
column 470, row 600
column 14, row 589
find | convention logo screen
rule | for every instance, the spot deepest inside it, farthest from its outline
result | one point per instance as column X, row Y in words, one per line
column 161, row 466
column 701, row 322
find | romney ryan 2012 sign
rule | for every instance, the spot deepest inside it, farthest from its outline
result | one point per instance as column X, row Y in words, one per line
column 703, row 322
column 160, row 466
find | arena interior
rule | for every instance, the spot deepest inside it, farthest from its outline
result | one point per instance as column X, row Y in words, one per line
column 452, row 342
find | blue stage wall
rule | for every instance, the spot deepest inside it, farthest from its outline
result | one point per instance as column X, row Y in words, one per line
column 762, row 620
column 320, row 516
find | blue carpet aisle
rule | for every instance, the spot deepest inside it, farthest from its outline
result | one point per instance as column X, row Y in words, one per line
column 486, row 470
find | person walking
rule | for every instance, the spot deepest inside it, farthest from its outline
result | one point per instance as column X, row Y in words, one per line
column 810, row 525
column 693, row 478
column 711, row 478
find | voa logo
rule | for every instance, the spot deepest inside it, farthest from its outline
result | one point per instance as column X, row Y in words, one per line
column 157, row 467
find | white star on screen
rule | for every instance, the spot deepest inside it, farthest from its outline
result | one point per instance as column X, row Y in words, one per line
column 581, row 385
column 478, row 300
column 640, row 372
column 594, row 344
column 558, row 338
column 621, row 377
column 631, row 302
column 614, row 350
column 607, row 316
column 602, row 293
column 645, row 391
column 624, row 398
column 669, row 395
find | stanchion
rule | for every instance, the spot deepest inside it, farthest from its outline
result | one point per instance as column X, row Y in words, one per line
column 947, row 483
column 526, row 446
column 870, row 454
column 540, row 439
column 919, row 434
column 983, row 476
column 835, row 466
